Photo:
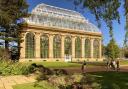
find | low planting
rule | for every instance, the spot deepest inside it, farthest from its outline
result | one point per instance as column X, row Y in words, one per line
column 13, row 68
column 58, row 79
column 76, row 81
column 17, row 68
column 97, row 80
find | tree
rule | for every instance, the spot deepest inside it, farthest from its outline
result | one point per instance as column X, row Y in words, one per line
column 112, row 50
column 126, row 52
column 105, row 10
column 103, row 50
column 12, row 13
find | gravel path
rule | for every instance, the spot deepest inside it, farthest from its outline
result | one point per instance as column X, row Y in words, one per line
column 94, row 69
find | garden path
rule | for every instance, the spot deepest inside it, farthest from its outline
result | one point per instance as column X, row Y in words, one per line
column 94, row 69
column 7, row 82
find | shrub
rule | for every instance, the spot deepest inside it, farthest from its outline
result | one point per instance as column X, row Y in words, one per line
column 41, row 76
column 60, row 72
column 11, row 68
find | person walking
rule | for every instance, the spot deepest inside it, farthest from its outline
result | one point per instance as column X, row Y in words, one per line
column 108, row 64
column 114, row 64
column 83, row 67
column 117, row 65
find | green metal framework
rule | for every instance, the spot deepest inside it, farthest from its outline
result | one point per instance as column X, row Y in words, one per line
column 87, row 48
column 30, row 45
column 77, row 47
column 96, row 48
column 57, row 46
column 68, row 46
column 44, row 43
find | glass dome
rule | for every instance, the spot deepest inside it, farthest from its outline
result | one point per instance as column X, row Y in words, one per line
column 52, row 16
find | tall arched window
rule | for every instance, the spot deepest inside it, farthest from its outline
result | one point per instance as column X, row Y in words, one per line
column 44, row 43
column 30, row 45
column 57, row 46
column 87, row 48
column 96, row 48
column 77, row 47
column 68, row 46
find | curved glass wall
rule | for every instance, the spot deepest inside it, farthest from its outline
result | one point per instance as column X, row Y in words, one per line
column 96, row 48
column 77, row 47
column 30, row 45
column 68, row 46
column 87, row 48
column 57, row 46
column 44, row 43
column 51, row 16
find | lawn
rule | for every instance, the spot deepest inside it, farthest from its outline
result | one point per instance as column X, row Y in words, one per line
column 42, row 85
column 112, row 80
column 56, row 64
column 66, row 64
column 72, row 64
column 108, row 80
column 124, row 62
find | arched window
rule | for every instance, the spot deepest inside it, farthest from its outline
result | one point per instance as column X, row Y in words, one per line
column 57, row 46
column 87, row 48
column 96, row 49
column 77, row 47
column 68, row 46
column 44, row 43
column 30, row 45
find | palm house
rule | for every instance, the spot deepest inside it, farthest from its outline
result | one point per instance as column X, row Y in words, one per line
column 57, row 34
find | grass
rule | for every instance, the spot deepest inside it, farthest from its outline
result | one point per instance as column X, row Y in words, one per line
column 25, row 86
column 72, row 64
column 42, row 85
column 112, row 80
column 66, row 64
column 124, row 62
column 57, row 64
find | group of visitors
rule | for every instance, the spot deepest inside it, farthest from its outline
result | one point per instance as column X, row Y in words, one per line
column 113, row 64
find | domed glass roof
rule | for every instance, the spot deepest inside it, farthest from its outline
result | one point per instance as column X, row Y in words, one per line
column 52, row 16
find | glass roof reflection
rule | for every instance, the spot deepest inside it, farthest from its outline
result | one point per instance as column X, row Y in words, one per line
column 52, row 16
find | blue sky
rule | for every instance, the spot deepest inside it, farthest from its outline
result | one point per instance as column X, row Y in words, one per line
column 119, row 31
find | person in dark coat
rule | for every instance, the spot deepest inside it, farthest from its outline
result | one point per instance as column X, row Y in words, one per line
column 118, row 65
column 83, row 67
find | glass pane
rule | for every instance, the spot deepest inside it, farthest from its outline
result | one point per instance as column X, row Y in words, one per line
column 44, row 46
column 68, row 46
column 30, row 45
column 96, row 49
column 57, row 47
column 78, row 48
column 87, row 48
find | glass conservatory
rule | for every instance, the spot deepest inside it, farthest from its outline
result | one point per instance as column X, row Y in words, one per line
column 57, row 34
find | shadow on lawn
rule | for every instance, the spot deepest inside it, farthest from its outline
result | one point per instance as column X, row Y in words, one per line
column 112, row 80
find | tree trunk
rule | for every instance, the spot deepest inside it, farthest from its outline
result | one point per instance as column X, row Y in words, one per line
column 18, row 56
column 7, row 53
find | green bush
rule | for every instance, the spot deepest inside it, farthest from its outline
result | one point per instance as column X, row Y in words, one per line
column 60, row 72
column 11, row 68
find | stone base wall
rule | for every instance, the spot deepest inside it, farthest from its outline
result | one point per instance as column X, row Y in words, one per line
column 59, row 60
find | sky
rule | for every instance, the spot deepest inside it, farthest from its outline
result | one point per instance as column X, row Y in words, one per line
column 118, row 29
